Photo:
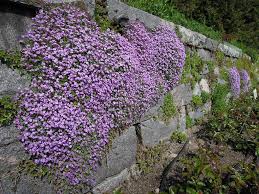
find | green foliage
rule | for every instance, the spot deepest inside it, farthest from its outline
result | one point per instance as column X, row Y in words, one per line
column 205, row 96
column 236, row 21
column 11, row 59
column 197, row 101
column 245, row 63
column 166, row 10
column 147, row 157
column 238, row 127
column 34, row 170
column 219, row 95
column 178, row 136
column 205, row 173
column 8, row 110
column 168, row 108
column 192, row 68
column 101, row 17
column 219, row 56
column 189, row 122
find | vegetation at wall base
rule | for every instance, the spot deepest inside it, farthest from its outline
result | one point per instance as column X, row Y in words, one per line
column 238, row 126
column 204, row 172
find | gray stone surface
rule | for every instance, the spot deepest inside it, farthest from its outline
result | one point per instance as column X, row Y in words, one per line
column 118, row 10
column 24, row 184
column 121, row 155
column 153, row 131
column 182, row 119
column 153, row 111
column 11, row 150
column 204, row 85
column 205, row 54
column 112, row 182
column 196, row 90
column 182, row 94
column 200, row 112
column 15, row 20
column 11, row 82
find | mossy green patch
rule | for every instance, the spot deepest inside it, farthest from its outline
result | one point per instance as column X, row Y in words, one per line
column 8, row 110
column 219, row 95
column 189, row 122
column 178, row 136
column 197, row 101
column 168, row 108
column 205, row 96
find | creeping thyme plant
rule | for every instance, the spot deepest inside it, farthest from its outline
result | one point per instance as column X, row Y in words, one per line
column 87, row 82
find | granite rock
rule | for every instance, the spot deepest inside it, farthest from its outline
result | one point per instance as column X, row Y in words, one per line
column 11, row 82
column 154, row 131
column 121, row 155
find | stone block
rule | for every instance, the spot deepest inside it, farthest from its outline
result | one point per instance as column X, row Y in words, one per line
column 111, row 182
column 182, row 119
column 205, row 54
column 24, row 185
column 154, row 131
column 11, row 82
column 121, row 155
column 182, row 94
column 204, row 85
column 11, row 150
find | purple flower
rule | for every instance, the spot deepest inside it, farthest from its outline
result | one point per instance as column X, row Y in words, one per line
column 244, row 80
column 87, row 83
column 234, row 79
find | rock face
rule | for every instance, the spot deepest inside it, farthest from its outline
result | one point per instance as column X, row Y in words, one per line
column 182, row 94
column 25, row 185
column 154, row 131
column 11, row 150
column 11, row 82
column 121, row 155
column 15, row 20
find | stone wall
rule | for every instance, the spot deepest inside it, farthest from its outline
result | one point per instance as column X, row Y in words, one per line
column 120, row 161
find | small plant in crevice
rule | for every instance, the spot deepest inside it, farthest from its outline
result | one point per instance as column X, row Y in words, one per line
column 11, row 58
column 168, row 108
column 197, row 101
column 148, row 157
column 219, row 56
column 192, row 69
column 179, row 137
column 219, row 99
column 205, row 96
column 189, row 122
column 8, row 110
column 102, row 19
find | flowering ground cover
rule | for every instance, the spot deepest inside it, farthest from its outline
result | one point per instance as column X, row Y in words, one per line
column 86, row 83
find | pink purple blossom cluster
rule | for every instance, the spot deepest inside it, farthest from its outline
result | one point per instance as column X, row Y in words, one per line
column 234, row 79
column 86, row 83
column 244, row 77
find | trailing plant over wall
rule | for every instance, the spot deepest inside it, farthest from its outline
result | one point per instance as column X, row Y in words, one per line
column 87, row 82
